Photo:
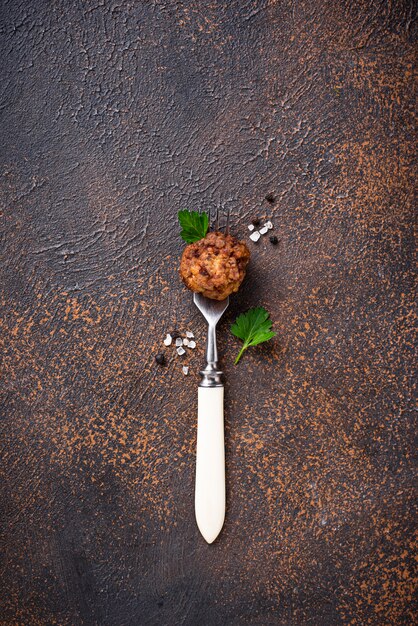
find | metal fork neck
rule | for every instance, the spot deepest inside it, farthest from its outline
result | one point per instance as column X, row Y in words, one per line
column 211, row 375
column 211, row 348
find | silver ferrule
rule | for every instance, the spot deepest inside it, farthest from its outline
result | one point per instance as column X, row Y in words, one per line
column 211, row 375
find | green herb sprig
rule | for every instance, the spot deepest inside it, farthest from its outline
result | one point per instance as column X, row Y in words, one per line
column 194, row 225
column 252, row 327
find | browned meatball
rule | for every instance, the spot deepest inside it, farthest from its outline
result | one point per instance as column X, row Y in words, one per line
column 215, row 266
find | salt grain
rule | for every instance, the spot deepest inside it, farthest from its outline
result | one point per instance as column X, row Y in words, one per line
column 179, row 342
column 251, row 226
column 192, row 345
column 263, row 230
column 185, row 341
column 189, row 334
column 269, row 225
column 255, row 236
column 185, row 370
column 168, row 340
column 180, row 351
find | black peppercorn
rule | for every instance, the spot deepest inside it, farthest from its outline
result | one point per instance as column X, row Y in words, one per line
column 160, row 358
column 274, row 240
column 256, row 221
column 175, row 334
column 270, row 198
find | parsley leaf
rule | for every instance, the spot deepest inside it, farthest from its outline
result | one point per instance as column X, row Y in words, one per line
column 253, row 327
column 194, row 225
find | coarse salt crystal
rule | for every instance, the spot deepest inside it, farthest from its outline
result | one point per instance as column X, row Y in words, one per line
column 255, row 236
column 263, row 230
column 179, row 342
column 189, row 334
column 269, row 225
column 185, row 370
column 185, row 341
column 168, row 340
column 180, row 351
column 192, row 345
column 251, row 226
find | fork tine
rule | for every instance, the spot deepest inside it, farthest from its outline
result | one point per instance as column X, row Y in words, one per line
column 228, row 215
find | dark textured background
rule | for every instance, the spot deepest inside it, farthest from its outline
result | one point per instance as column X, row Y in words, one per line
column 115, row 115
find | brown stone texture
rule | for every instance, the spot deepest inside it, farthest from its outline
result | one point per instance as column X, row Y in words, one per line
column 116, row 114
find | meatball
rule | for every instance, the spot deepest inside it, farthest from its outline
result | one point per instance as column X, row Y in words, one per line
column 214, row 266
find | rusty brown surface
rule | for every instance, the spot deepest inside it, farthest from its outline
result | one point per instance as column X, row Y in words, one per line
column 115, row 115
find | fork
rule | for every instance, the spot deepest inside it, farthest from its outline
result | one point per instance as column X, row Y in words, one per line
column 210, row 448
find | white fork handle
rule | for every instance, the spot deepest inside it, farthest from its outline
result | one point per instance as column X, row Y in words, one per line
column 210, row 463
